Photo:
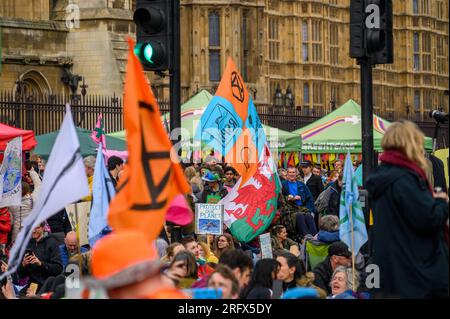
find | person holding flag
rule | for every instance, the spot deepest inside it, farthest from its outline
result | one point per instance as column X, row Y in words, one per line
column 409, row 219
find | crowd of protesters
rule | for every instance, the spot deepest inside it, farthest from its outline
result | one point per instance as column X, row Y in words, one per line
column 307, row 251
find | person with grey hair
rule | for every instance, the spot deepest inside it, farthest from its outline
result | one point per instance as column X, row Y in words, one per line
column 89, row 165
column 342, row 283
column 328, row 229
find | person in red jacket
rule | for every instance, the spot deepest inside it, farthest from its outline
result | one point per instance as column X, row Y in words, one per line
column 5, row 228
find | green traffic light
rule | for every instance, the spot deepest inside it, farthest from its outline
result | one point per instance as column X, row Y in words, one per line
column 148, row 53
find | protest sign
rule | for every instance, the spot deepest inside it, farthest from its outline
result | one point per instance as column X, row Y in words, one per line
column 79, row 218
column 209, row 219
column 266, row 245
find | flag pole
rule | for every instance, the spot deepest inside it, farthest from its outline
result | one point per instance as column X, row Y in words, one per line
column 353, row 247
column 78, row 240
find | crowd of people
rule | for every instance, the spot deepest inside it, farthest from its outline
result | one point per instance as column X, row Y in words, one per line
column 307, row 250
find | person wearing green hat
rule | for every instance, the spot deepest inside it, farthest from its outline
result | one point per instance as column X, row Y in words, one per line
column 214, row 190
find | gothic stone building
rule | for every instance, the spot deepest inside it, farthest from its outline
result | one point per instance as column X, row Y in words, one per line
column 298, row 44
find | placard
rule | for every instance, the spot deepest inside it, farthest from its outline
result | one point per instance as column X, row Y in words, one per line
column 83, row 209
column 266, row 246
column 208, row 219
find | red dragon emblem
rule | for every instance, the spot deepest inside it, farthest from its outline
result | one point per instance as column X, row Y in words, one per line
column 250, row 201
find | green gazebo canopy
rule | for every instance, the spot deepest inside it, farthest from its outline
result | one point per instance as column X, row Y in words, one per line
column 88, row 146
column 340, row 131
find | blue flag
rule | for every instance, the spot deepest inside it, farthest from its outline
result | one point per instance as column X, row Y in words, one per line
column 350, row 198
column 102, row 192
column 219, row 125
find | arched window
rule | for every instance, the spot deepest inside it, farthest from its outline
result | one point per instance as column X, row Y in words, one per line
column 32, row 84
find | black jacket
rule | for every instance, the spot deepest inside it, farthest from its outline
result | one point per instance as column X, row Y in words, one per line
column 335, row 200
column 315, row 185
column 47, row 251
column 323, row 273
column 438, row 172
column 59, row 223
column 408, row 243
column 259, row 292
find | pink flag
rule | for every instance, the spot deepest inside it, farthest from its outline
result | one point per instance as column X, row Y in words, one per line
column 179, row 211
column 98, row 134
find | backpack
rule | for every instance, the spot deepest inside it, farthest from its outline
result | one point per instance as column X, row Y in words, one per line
column 322, row 201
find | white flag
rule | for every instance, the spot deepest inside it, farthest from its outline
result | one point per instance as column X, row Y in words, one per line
column 64, row 182
column 11, row 174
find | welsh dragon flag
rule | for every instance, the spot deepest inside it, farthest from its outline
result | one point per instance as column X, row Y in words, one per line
column 249, row 209
column 231, row 126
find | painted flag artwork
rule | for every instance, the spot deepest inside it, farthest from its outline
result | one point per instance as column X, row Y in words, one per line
column 350, row 202
column 98, row 134
column 11, row 174
column 231, row 126
column 151, row 179
column 249, row 209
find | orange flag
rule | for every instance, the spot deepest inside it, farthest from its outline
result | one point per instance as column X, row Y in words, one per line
column 232, row 88
column 151, row 178
column 232, row 108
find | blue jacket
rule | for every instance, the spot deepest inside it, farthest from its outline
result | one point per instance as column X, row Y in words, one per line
column 302, row 190
column 65, row 254
column 328, row 237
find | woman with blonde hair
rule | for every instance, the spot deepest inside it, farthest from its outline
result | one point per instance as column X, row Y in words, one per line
column 409, row 219
column 190, row 172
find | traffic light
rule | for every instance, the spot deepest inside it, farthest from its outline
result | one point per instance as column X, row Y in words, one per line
column 154, row 34
column 357, row 20
column 379, row 37
column 371, row 33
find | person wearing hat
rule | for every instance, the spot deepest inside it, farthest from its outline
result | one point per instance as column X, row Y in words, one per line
column 214, row 190
column 126, row 265
column 338, row 255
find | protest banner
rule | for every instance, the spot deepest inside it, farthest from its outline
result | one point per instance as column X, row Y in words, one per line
column 208, row 219
column 11, row 174
column 266, row 245
column 80, row 222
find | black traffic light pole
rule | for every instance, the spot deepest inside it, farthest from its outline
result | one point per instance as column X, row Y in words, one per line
column 175, row 92
column 366, row 117
column 175, row 78
column 371, row 42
